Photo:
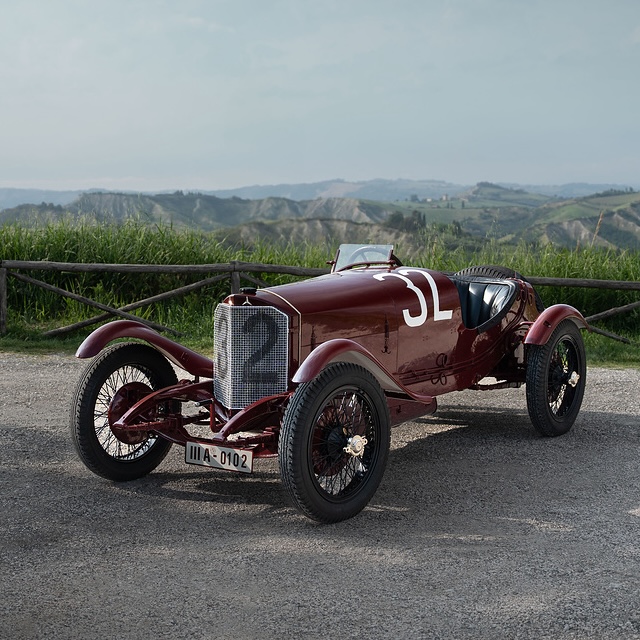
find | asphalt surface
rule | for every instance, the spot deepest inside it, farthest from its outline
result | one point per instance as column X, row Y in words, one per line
column 480, row 529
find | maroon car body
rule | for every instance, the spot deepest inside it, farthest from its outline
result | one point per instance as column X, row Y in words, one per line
column 315, row 372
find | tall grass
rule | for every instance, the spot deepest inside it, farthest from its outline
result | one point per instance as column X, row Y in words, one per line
column 133, row 242
column 139, row 243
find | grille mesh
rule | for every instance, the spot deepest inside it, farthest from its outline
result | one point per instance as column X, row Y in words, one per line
column 250, row 354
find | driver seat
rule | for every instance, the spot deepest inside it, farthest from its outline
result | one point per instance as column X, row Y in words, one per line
column 484, row 301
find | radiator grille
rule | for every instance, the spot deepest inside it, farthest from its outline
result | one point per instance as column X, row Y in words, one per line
column 251, row 354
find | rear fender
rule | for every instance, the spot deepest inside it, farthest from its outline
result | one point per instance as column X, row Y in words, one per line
column 190, row 361
column 549, row 319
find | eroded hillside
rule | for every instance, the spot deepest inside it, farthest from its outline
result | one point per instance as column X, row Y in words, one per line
column 488, row 211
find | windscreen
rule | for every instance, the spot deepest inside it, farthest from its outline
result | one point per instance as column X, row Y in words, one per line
column 362, row 253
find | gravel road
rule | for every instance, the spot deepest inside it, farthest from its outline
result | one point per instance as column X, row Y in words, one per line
column 480, row 529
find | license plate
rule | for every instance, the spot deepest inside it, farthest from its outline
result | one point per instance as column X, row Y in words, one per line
column 211, row 455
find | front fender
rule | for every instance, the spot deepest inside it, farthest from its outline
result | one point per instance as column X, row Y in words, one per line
column 344, row 350
column 181, row 356
column 549, row 319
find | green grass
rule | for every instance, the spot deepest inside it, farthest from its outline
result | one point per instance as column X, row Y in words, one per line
column 33, row 310
column 605, row 352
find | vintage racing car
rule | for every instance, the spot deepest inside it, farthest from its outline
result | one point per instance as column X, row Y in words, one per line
column 316, row 372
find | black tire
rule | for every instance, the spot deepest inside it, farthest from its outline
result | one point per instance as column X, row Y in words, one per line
column 556, row 378
column 124, row 456
column 498, row 272
column 335, row 410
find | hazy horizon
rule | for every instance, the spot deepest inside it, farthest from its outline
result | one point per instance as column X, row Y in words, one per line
column 97, row 188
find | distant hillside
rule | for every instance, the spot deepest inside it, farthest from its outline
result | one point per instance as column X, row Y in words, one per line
column 569, row 190
column 318, row 232
column 383, row 190
column 485, row 211
column 15, row 197
column 609, row 219
column 487, row 194
column 198, row 210
column 392, row 190
column 380, row 190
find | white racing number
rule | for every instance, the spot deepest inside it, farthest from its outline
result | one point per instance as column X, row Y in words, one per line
column 421, row 318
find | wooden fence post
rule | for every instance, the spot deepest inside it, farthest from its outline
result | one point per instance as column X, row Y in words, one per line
column 3, row 301
column 235, row 277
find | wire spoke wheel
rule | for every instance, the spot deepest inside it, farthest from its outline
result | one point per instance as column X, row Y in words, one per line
column 561, row 392
column 117, row 395
column 114, row 382
column 334, row 443
column 345, row 419
column 556, row 377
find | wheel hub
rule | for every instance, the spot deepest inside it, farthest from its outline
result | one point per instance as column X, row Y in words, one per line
column 574, row 378
column 123, row 399
column 557, row 377
column 355, row 446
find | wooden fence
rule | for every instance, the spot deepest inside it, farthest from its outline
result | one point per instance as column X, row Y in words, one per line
column 234, row 271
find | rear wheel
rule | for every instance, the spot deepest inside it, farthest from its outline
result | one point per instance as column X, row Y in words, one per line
column 116, row 379
column 556, row 377
column 334, row 443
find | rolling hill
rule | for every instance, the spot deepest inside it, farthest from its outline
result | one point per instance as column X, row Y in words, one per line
column 609, row 219
column 198, row 210
column 380, row 190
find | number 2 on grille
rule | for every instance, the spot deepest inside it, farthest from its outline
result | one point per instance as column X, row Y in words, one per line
column 266, row 328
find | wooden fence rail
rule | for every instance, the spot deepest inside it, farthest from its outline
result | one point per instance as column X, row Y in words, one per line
column 234, row 271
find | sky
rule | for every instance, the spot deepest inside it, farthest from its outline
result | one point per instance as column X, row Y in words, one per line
column 215, row 94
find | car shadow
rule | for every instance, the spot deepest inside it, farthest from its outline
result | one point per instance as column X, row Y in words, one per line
column 437, row 458
column 464, row 464
column 212, row 486
column 491, row 466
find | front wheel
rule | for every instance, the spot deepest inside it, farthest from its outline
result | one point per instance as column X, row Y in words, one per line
column 334, row 443
column 556, row 377
column 116, row 379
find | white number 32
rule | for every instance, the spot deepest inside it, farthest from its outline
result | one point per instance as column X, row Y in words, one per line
column 421, row 318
